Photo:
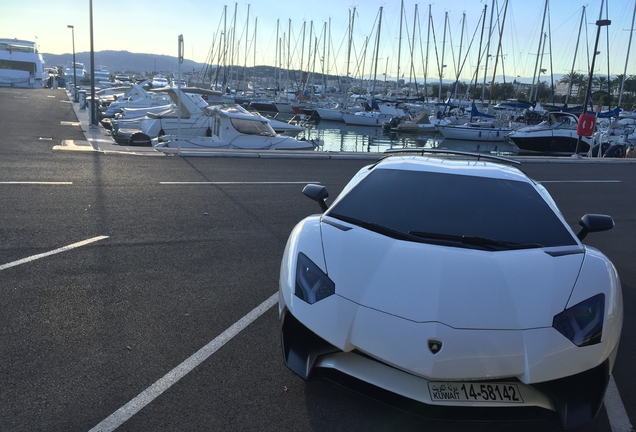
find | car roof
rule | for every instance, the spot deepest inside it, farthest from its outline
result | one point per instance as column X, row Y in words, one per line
column 458, row 163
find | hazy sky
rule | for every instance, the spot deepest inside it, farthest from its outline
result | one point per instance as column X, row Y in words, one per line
column 153, row 27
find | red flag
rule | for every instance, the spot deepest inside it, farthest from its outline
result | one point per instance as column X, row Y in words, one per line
column 10, row 51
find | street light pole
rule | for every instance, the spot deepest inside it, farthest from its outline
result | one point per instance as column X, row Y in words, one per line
column 74, row 72
column 93, row 107
column 599, row 24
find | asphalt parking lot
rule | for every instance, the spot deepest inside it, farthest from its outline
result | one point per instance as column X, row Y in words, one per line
column 139, row 293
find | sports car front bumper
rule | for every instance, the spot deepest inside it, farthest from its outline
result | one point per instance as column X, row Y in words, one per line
column 566, row 402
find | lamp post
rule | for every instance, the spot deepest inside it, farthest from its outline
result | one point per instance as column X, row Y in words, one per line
column 74, row 74
column 599, row 24
column 93, row 107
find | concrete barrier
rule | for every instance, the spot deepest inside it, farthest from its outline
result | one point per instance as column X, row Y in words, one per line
column 82, row 99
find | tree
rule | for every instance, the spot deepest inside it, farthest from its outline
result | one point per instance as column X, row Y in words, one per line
column 579, row 82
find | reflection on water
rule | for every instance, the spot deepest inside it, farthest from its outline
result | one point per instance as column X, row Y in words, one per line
column 338, row 137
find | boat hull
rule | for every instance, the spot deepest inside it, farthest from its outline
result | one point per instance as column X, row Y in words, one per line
column 468, row 133
column 329, row 114
column 373, row 119
column 553, row 144
column 240, row 143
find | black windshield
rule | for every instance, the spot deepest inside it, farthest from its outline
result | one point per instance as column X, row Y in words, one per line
column 445, row 206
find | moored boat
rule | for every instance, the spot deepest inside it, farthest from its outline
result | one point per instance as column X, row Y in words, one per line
column 475, row 131
column 232, row 127
column 554, row 136
column 366, row 118
column 75, row 73
column 20, row 64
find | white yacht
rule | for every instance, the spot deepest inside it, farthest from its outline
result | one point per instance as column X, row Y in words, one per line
column 234, row 128
column 20, row 64
column 196, row 118
column 75, row 72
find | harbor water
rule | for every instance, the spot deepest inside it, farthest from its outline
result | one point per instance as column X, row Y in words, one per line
column 339, row 137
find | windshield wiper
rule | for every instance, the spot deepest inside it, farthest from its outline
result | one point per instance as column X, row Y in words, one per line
column 474, row 241
column 380, row 229
column 483, row 241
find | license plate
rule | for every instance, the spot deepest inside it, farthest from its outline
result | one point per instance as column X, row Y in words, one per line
column 474, row 392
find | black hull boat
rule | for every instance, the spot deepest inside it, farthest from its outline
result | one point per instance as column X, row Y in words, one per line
column 552, row 145
column 555, row 136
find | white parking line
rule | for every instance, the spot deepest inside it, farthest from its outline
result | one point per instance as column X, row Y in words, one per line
column 124, row 413
column 235, row 183
column 36, row 182
column 53, row 252
column 581, row 181
column 619, row 421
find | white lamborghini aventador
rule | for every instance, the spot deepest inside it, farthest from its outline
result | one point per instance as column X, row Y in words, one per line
column 451, row 284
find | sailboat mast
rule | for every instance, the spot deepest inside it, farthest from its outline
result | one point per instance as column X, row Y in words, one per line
column 397, row 81
column 324, row 48
column 459, row 57
column 536, row 92
column 481, row 40
column 232, row 59
column 224, row 46
column 494, row 71
column 352, row 17
column 302, row 59
column 483, row 86
column 247, row 30
column 441, row 66
column 412, row 68
column 428, row 37
column 309, row 51
column 607, row 40
column 536, row 63
column 277, row 56
column 629, row 44
column 329, row 49
column 313, row 62
column 255, row 39
column 289, row 51
column 377, row 49
column 567, row 96
column 551, row 65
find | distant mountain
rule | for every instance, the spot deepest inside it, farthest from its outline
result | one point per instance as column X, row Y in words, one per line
column 125, row 61
column 129, row 63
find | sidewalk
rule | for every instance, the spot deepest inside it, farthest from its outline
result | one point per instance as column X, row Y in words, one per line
column 99, row 139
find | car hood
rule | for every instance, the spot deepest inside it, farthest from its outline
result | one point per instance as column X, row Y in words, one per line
column 460, row 287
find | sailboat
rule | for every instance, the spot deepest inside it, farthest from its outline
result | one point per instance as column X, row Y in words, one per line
column 477, row 130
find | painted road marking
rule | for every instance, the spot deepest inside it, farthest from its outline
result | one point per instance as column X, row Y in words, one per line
column 235, row 183
column 619, row 421
column 581, row 181
column 36, row 183
column 53, row 252
column 124, row 413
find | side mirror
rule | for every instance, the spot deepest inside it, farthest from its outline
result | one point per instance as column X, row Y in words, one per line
column 317, row 193
column 594, row 223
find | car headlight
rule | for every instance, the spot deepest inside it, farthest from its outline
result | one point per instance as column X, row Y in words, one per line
column 312, row 284
column 582, row 323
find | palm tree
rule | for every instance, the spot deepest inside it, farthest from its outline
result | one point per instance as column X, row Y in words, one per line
column 603, row 84
column 579, row 81
column 628, row 87
column 617, row 82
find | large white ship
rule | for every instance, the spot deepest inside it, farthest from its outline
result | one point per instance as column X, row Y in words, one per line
column 20, row 64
